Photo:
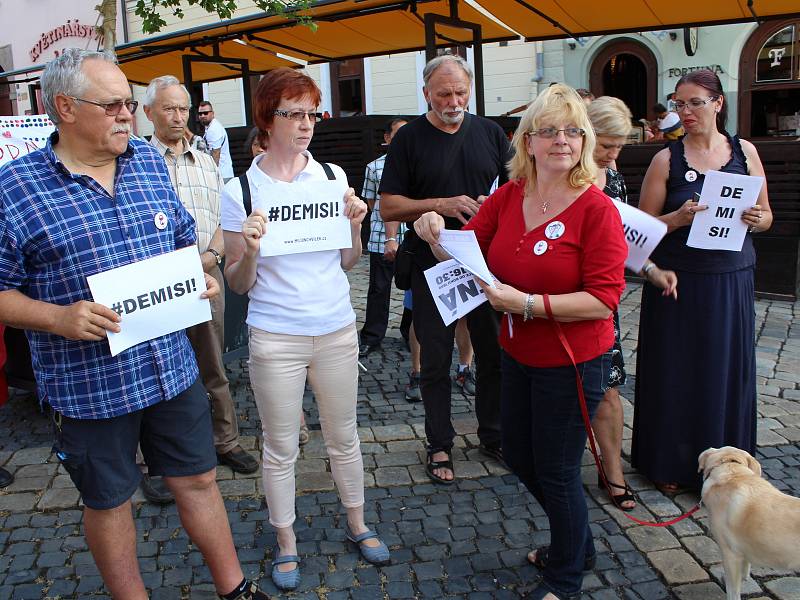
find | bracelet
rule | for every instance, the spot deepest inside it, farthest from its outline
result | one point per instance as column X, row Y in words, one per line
column 391, row 239
column 527, row 312
column 646, row 270
column 752, row 229
column 217, row 256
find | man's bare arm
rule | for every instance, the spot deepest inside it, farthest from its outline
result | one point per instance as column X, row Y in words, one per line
column 395, row 207
column 215, row 154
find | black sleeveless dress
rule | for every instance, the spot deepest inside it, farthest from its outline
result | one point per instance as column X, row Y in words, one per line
column 696, row 365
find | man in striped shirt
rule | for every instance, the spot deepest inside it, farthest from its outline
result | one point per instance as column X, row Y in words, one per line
column 198, row 183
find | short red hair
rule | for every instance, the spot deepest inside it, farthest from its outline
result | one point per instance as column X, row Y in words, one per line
column 276, row 85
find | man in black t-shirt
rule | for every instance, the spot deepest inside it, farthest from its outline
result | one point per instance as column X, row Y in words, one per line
column 447, row 161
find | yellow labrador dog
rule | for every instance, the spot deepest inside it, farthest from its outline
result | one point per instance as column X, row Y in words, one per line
column 751, row 520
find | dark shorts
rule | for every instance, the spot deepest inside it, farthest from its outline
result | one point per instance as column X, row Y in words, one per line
column 100, row 454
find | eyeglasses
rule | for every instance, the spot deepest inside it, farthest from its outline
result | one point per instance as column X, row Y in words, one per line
column 548, row 133
column 693, row 104
column 112, row 108
column 204, row 112
column 299, row 115
column 182, row 110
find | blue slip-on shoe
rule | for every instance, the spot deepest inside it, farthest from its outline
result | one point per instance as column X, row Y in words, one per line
column 285, row 580
column 377, row 555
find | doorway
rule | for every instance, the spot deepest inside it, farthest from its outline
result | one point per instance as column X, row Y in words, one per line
column 627, row 70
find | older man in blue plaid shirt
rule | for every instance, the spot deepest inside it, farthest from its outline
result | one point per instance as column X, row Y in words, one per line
column 384, row 239
column 92, row 200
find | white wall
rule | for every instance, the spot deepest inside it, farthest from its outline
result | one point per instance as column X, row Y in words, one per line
column 394, row 84
column 507, row 76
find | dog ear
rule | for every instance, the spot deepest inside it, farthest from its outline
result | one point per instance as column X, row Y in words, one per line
column 753, row 465
column 701, row 460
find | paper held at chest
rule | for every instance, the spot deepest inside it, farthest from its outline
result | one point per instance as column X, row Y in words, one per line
column 154, row 297
column 720, row 227
column 643, row 232
column 305, row 216
column 454, row 289
column 463, row 246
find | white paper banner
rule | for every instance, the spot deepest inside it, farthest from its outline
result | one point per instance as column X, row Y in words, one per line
column 154, row 297
column 643, row 232
column 463, row 246
column 454, row 289
column 720, row 227
column 21, row 135
column 303, row 217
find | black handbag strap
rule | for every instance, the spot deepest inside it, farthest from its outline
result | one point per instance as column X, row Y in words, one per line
column 247, row 198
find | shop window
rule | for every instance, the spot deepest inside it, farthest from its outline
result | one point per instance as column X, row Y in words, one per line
column 770, row 76
column 347, row 88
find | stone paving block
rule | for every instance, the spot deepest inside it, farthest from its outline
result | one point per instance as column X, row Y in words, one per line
column 21, row 502
column 392, row 476
column 314, row 482
column 59, row 498
column 311, row 465
column 389, row 433
column 649, row 539
column 237, row 487
column 30, row 456
column 768, row 437
column 700, row 591
column 749, row 585
column 677, row 566
column 703, row 548
column 785, row 588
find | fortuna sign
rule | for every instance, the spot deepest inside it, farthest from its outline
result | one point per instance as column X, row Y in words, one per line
column 681, row 71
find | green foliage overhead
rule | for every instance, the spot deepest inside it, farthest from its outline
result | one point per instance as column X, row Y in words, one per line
column 152, row 22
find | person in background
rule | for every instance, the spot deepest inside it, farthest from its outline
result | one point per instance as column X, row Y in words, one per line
column 198, row 183
column 195, row 141
column 586, row 95
column 384, row 239
column 668, row 123
column 556, row 246
column 302, row 324
column 447, row 161
column 611, row 121
column 216, row 139
column 696, row 362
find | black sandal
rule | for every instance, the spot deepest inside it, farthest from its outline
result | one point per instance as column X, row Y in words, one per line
column 541, row 556
column 432, row 465
column 618, row 499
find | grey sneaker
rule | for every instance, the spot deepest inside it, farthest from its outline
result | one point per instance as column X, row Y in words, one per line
column 465, row 379
column 413, row 393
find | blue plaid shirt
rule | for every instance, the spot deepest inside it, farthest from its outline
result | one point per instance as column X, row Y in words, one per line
column 56, row 229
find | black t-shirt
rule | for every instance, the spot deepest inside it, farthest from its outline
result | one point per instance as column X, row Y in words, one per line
column 419, row 152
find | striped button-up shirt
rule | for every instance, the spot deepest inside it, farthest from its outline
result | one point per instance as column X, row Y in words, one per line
column 57, row 229
column 377, row 227
column 197, row 181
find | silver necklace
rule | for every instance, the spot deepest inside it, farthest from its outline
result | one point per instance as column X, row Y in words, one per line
column 545, row 203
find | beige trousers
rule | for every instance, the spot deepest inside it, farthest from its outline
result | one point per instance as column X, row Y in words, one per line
column 279, row 366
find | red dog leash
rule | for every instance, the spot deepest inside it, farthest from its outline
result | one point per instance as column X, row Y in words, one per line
column 587, row 423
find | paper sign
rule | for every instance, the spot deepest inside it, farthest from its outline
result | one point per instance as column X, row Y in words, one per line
column 21, row 135
column 454, row 289
column 643, row 232
column 303, row 216
column 720, row 227
column 463, row 246
column 154, row 297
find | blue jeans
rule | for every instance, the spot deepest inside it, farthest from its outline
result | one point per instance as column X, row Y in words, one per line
column 543, row 443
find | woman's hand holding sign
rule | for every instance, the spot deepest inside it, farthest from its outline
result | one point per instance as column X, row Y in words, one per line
column 253, row 228
column 355, row 208
column 685, row 214
column 752, row 216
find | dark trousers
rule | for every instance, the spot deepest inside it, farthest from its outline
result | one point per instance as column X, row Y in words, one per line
column 543, row 443
column 379, row 293
column 436, row 347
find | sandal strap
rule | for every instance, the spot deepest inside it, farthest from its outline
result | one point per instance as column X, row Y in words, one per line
column 367, row 535
column 281, row 560
column 441, row 464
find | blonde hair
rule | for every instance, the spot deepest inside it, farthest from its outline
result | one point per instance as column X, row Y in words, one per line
column 610, row 117
column 559, row 103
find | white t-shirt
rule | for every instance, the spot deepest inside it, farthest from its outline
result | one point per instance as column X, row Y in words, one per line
column 295, row 294
column 669, row 122
column 217, row 138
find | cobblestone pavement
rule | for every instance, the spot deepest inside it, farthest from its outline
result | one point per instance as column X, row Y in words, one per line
column 467, row 541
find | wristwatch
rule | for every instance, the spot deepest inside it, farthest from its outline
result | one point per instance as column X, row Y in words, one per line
column 217, row 255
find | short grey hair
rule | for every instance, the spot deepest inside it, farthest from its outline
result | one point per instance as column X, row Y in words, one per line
column 159, row 83
column 440, row 60
column 64, row 75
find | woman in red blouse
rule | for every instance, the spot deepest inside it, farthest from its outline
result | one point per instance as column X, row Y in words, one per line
column 550, row 232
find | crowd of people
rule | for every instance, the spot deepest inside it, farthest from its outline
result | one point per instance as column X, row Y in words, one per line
column 546, row 344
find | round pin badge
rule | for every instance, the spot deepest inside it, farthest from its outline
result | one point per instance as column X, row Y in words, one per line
column 554, row 230
column 691, row 175
column 540, row 248
column 160, row 220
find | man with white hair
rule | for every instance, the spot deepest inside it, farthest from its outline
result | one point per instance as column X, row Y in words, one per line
column 198, row 183
column 92, row 200
column 447, row 161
